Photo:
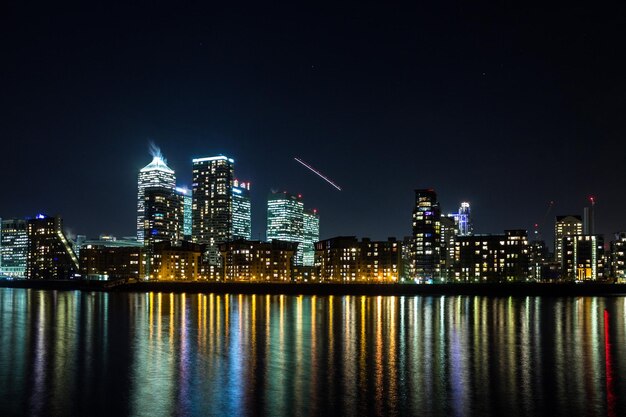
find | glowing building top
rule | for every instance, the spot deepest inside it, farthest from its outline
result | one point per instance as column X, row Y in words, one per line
column 157, row 164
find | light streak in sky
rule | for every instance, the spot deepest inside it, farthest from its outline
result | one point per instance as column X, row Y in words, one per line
column 319, row 174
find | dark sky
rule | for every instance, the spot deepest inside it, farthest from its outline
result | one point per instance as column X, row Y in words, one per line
column 503, row 104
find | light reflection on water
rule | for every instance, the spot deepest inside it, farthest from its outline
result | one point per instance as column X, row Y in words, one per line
column 75, row 353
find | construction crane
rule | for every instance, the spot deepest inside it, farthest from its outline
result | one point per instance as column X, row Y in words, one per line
column 539, row 226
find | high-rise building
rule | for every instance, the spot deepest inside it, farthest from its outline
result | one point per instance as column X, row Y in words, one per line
column 154, row 175
column 568, row 225
column 310, row 235
column 426, row 253
column 618, row 257
column 163, row 215
column 184, row 195
column 463, row 220
column 583, row 257
column 449, row 233
column 288, row 221
column 589, row 226
column 212, row 206
column 50, row 253
column 242, row 211
column 13, row 247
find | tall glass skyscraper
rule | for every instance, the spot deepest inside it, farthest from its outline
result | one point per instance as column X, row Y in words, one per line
column 154, row 175
column 13, row 247
column 184, row 194
column 310, row 236
column 242, row 213
column 287, row 221
column 163, row 215
column 212, row 204
column 463, row 220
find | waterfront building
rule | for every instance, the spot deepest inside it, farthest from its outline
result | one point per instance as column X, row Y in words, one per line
column 449, row 232
column 492, row 258
column 50, row 254
column 184, row 196
column 463, row 220
column 242, row 211
column 426, row 251
column 212, row 206
column 13, row 247
column 163, row 215
column 345, row 259
column 618, row 257
column 175, row 262
column 288, row 221
column 103, row 262
column 310, row 235
column 583, row 258
column 154, row 175
column 248, row 260
column 538, row 258
column 569, row 225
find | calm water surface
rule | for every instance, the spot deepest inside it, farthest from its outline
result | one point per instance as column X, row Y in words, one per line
column 79, row 353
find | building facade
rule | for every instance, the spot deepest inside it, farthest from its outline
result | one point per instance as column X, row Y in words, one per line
column 50, row 254
column 111, row 262
column 583, row 258
column 163, row 215
column 242, row 211
column 212, row 206
column 345, row 259
column 288, row 221
column 246, row 260
column 463, row 220
column 569, row 225
column 13, row 247
column 618, row 257
column 184, row 196
column 169, row 262
column 154, row 175
column 426, row 251
column 492, row 258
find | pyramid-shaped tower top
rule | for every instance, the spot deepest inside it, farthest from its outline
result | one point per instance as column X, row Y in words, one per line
column 157, row 164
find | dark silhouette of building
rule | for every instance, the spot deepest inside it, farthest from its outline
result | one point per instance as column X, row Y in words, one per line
column 109, row 263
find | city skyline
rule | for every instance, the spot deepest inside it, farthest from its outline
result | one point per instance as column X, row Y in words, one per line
column 508, row 108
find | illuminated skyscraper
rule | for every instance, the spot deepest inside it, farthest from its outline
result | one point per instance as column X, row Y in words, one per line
column 184, row 195
column 212, row 205
column 242, row 214
column 163, row 215
column 565, row 226
column 463, row 220
column 426, row 253
column 287, row 221
column 154, row 175
column 50, row 253
column 583, row 258
column 311, row 234
column 13, row 247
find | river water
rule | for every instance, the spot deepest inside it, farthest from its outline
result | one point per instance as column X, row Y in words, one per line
column 152, row 354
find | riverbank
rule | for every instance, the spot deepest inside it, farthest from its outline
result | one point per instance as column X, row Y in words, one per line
column 513, row 289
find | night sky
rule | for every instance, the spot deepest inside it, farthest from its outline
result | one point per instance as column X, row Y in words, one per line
column 502, row 104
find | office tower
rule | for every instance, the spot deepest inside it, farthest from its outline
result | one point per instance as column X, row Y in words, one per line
column 288, row 221
column 50, row 253
column 242, row 211
column 463, row 220
column 154, row 175
column 212, row 206
column 184, row 195
column 310, row 235
column 618, row 257
column 569, row 225
column 163, row 215
column 13, row 247
column 344, row 259
column 583, row 257
column 426, row 254
column 492, row 258
column 246, row 260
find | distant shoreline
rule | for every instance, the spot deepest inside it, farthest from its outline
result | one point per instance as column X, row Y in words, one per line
column 508, row 289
